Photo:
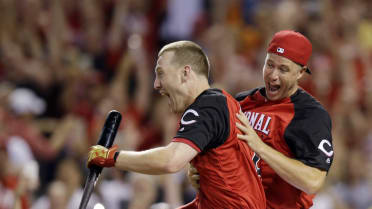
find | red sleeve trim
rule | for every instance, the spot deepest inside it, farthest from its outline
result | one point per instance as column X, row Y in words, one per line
column 188, row 142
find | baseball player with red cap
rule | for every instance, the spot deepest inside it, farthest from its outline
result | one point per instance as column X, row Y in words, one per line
column 288, row 129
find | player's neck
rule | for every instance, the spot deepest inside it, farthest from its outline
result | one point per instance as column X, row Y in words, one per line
column 198, row 87
column 203, row 85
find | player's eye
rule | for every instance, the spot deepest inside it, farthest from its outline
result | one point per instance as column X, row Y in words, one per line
column 283, row 69
column 270, row 65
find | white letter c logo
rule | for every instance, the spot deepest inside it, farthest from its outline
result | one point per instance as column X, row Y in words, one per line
column 183, row 122
column 321, row 147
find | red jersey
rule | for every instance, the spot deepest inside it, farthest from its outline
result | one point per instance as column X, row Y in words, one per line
column 228, row 177
column 300, row 128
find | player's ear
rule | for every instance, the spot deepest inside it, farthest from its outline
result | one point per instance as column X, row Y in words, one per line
column 302, row 72
column 186, row 73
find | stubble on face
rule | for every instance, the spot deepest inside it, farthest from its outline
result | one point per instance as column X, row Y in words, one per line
column 167, row 71
column 280, row 76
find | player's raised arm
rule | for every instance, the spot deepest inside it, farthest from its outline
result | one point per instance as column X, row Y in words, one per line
column 161, row 160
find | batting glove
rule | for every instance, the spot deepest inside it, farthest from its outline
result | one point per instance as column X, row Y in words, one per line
column 101, row 156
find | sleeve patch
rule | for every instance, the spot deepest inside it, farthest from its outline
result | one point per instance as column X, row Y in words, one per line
column 206, row 123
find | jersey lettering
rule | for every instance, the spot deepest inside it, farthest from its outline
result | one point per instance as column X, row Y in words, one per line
column 266, row 125
column 322, row 148
column 253, row 118
column 183, row 122
column 257, row 125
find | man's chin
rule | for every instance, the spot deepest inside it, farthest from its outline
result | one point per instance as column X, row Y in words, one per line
column 273, row 96
column 176, row 111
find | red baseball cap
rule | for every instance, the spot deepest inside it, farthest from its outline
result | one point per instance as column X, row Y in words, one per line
column 291, row 45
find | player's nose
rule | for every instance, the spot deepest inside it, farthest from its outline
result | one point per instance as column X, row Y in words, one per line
column 157, row 84
column 274, row 75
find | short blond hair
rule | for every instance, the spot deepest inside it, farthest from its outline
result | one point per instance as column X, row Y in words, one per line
column 188, row 53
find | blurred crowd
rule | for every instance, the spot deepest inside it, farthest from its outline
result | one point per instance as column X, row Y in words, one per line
column 64, row 64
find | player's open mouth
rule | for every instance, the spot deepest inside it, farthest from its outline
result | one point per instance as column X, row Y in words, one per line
column 273, row 88
column 163, row 93
column 166, row 94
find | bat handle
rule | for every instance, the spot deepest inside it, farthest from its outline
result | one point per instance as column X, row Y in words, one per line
column 106, row 139
column 89, row 186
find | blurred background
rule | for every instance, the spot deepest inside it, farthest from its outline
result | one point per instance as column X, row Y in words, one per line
column 64, row 64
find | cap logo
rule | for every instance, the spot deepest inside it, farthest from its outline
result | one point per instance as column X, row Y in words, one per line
column 280, row 50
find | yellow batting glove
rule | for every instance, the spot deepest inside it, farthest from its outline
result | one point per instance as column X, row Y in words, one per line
column 101, row 156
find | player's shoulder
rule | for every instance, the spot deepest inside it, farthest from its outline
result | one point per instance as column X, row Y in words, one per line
column 211, row 97
column 242, row 95
column 306, row 105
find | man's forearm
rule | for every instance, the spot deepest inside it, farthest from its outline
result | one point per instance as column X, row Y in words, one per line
column 296, row 173
column 153, row 161
column 161, row 160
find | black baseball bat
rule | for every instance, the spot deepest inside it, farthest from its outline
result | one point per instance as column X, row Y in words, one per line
column 106, row 139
